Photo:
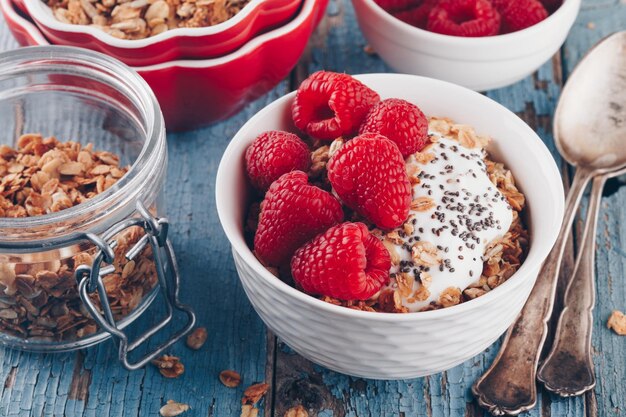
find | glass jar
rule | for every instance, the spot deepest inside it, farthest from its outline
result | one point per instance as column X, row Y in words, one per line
column 72, row 278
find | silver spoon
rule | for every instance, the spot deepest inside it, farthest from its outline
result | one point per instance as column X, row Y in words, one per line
column 589, row 133
column 568, row 368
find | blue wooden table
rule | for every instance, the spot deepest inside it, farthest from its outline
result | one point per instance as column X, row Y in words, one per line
column 92, row 383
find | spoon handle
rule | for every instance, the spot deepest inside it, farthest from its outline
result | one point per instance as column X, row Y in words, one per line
column 508, row 386
column 568, row 369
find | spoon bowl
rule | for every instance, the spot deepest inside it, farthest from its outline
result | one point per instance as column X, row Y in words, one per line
column 590, row 119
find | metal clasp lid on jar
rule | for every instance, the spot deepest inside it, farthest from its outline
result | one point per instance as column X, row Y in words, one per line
column 89, row 279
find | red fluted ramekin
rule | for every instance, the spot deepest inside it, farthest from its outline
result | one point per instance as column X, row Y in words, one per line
column 256, row 17
column 195, row 93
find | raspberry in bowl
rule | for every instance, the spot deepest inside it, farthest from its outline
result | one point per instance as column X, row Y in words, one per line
column 479, row 44
column 363, row 281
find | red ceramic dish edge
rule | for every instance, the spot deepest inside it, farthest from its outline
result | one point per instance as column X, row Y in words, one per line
column 256, row 17
column 197, row 93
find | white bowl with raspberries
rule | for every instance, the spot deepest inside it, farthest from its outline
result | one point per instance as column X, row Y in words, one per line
column 317, row 257
column 480, row 63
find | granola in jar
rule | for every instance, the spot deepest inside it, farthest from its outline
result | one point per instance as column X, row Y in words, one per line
column 39, row 299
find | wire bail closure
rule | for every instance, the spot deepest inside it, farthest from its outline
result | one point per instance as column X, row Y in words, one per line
column 89, row 280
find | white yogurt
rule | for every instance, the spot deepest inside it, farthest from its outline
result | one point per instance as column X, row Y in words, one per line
column 468, row 213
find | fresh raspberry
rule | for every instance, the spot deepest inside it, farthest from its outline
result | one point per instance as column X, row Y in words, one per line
column 416, row 16
column 329, row 105
column 292, row 213
column 273, row 154
column 369, row 175
column 346, row 262
column 469, row 18
column 398, row 5
column 401, row 122
column 520, row 14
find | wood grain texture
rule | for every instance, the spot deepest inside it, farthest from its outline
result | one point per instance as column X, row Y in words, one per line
column 91, row 383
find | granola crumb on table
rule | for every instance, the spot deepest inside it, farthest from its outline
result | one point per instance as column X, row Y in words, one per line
column 40, row 300
column 169, row 366
column 251, row 396
column 617, row 322
column 173, row 409
column 197, row 338
column 254, row 393
column 230, row 379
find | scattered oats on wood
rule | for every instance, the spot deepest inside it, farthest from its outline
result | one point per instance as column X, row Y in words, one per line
column 169, row 366
column 254, row 393
column 617, row 322
column 297, row 411
column 197, row 338
column 229, row 378
column 173, row 409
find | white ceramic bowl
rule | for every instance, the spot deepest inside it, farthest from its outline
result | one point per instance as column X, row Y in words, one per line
column 477, row 63
column 397, row 346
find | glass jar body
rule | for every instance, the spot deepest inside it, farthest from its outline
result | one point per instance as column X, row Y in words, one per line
column 108, row 112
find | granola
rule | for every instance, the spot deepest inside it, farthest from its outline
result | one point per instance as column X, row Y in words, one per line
column 169, row 366
column 173, row 409
column 197, row 338
column 617, row 322
column 230, row 379
column 140, row 19
column 254, row 393
column 40, row 300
